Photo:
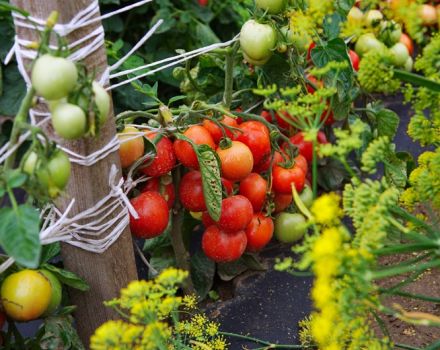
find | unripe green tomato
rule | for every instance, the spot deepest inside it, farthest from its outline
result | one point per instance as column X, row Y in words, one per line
column 257, row 41
column 373, row 16
column 409, row 64
column 59, row 169
column 307, row 196
column 57, row 292
column 368, row 42
column 255, row 62
column 102, row 100
column 32, row 166
column 355, row 16
column 396, row 34
column 271, row 6
column 400, row 54
column 290, row 227
column 69, row 121
column 26, row 295
column 53, row 77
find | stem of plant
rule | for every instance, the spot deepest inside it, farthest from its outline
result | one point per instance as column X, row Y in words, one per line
column 20, row 118
column 393, row 271
column 229, row 78
column 180, row 251
column 315, row 170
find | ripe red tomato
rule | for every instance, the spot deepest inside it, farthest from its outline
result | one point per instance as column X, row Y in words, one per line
column 309, row 51
column 191, row 192
column 301, row 162
column 203, row 2
column 306, row 147
column 259, row 232
column 167, row 191
column 281, row 122
column 284, row 178
column 256, row 136
column 282, row 201
column 314, row 81
column 354, row 58
column 236, row 161
column 266, row 115
column 165, row 159
column 216, row 131
column 254, row 188
column 228, row 186
column 184, row 151
column 407, row 41
column 153, row 213
column 220, row 246
column 207, row 220
column 330, row 117
column 236, row 213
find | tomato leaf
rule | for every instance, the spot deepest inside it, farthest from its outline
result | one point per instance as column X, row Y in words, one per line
column 15, row 178
column 332, row 25
column 49, row 252
column 387, row 123
column 211, row 179
column 161, row 259
column 230, row 270
column 58, row 332
column 67, row 277
column 202, row 273
column 19, row 234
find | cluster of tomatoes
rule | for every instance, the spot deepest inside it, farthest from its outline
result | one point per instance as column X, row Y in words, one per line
column 256, row 181
column 29, row 294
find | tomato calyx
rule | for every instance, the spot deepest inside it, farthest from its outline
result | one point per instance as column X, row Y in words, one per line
column 225, row 143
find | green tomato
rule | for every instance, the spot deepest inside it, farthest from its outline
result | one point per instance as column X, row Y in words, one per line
column 57, row 292
column 373, row 17
column 33, row 166
column 368, row 42
column 409, row 64
column 59, row 169
column 69, row 121
column 290, row 227
column 307, row 196
column 53, row 77
column 271, row 6
column 257, row 41
column 102, row 100
column 355, row 16
column 26, row 295
column 400, row 54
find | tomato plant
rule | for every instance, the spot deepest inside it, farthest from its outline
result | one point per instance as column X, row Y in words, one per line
column 284, row 178
column 191, row 192
column 216, row 131
column 255, row 135
column 259, row 232
column 69, row 121
column 257, row 41
column 236, row 213
column 165, row 189
column 254, row 188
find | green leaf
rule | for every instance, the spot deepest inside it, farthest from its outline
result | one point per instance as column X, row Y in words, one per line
column 11, row 98
column 387, row 123
column 19, row 234
column 67, row 277
column 252, row 262
column 230, row 270
column 332, row 25
column 396, row 171
column 332, row 175
column 58, row 333
column 161, row 259
column 416, row 79
column 50, row 251
column 5, row 6
column 15, row 178
column 344, row 6
column 205, row 34
column 211, row 179
column 202, row 273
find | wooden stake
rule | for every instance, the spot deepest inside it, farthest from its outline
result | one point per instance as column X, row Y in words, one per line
column 106, row 273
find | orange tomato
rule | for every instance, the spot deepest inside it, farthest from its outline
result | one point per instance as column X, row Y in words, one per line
column 132, row 149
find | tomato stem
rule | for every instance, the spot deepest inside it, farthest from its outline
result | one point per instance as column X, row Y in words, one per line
column 229, row 78
column 314, row 170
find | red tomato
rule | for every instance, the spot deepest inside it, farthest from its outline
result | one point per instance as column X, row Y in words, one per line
column 203, row 2
column 267, row 115
column 236, row 161
column 153, row 213
column 228, row 186
column 282, row 201
column 207, row 220
column 306, row 147
column 256, row 136
column 407, row 41
column 165, row 159
column 284, row 178
column 259, row 232
column 301, row 162
column 309, row 51
column 354, row 58
column 265, row 164
column 254, row 188
column 167, row 191
column 184, row 151
column 236, row 213
column 314, row 81
column 220, row 246
column 330, row 117
column 191, row 192
column 216, row 131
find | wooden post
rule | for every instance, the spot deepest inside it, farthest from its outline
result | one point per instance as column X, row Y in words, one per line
column 106, row 273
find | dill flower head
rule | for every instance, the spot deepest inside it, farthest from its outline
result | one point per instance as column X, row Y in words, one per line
column 326, row 209
column 429, row 62
column 376, row 152
column 376, row 72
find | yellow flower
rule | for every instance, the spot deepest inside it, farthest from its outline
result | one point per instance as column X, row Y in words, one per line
column 326, row 267
column 189, row 302
column 408, row 198
column 328, row 243
column 171, row 277
column 322, row 292
column 326, row 209
column 322, row 328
